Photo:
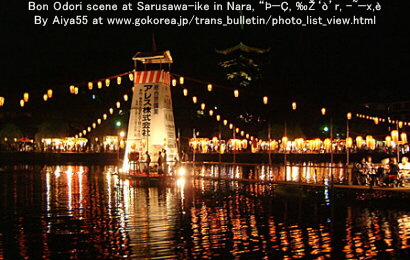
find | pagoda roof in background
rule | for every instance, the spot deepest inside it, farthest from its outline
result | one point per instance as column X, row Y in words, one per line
column 244, row 48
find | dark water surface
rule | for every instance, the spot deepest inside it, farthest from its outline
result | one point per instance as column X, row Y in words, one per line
column 79, row 212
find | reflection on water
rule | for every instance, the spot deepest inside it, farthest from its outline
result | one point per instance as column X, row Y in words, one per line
column 308, row 172
column 87, row 212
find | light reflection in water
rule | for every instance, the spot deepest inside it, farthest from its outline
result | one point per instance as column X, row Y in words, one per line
column 86, row 212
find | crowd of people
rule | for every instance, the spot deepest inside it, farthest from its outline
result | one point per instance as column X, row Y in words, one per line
column 388, row 173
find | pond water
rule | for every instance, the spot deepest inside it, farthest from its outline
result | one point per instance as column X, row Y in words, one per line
column 86, row 212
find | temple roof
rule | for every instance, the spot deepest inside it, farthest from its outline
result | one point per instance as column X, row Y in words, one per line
column 244, row 48
column 156, row 57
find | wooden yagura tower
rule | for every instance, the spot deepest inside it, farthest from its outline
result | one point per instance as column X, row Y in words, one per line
column 151, row 126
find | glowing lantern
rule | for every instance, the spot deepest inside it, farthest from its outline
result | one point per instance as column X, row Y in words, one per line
column 107, row 82
column 225, row 122
column 349, row 116
column 236, row 93
column 174, row 82
column 99, row 121
column 89, row 129
column 299, row 143
column 194, row 99
column 72, row 89
column 265, row 100
column 237, row 130
column 45, row 97
column 294, row 105
column 76, row 136
column 1, row 101
column 247, row 136
column 318, row 144
column 84, row 132
column 90, row 85
column 203, row 106
column 119, row 79
column 370, row 142
column 99, row 84
column 323, row 110
column 50, row 93
column 376, row 120
column 218, row 118
column 242, row 133
column 401, row 124
column 131, row 76
column 80, row 134
column 211, row 112
column 359, row 142
column 21, row 102
column 125, row 97
column 94, row 125
column 403, row 138
column 327, row 144
column 105, row 116
column 209, row 87
column 231, row 126
column 395, row 136
column 111, row 110
column 284, row 142
column 185, row 91
column 118, row 104
column 181, row 80
column 388, row 141
column 349, row 142
column 25, row 97
column 76, row 90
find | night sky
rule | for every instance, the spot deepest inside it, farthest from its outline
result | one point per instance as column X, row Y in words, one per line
column 334, row 66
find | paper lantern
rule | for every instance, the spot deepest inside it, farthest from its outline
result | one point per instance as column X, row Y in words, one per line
column 265, row 100
column 323, row 110
column 131, row 76
column 45, row 97
column 21, row 102
column 294, row 105
column 236, row 93
column 174, row 82
column 119, row 79
column 50, row 93
column 185, row 91
column 99, row 84
column 209, row 87
column 90, row 85
column 181, row 80
column 125, row 97
column 194, row 99
column 211, row 112
column 203, row 106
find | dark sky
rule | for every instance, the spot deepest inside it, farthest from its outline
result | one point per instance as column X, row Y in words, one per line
column 330, row 65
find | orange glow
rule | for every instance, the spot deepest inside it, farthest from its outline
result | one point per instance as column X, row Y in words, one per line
column 185, row 91
column 349, row 116
column 265, row 100
column 194, row 99
column 2, row 101
column 111, row 110
column 359, row 141
column 50, row 93
column 218, row 118
column 119, row 79
column 209, row 87
column 388, row 141
column 174, row 82
column 99, row 84
column 105, row 116
column 349, row 142
column 231, row 126
column 323, row 110
column 203, row 106
column 107, row 82
column 294, row 105
column 125, row 97
column 236, row 93
column 211, row 112
column 72, row 89
column 181, row 80
column 131, row 76
column 403, row 137
column 21, row 102
column 395, row 136
column 99, row 121
column 118, row 104
column 45, row 97
column 90, row 85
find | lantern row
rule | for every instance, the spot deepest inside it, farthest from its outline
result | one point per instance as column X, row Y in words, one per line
column 211, row 112
column 74, row 89
column 377, row 120
column 99, row 83
column 99, row 120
